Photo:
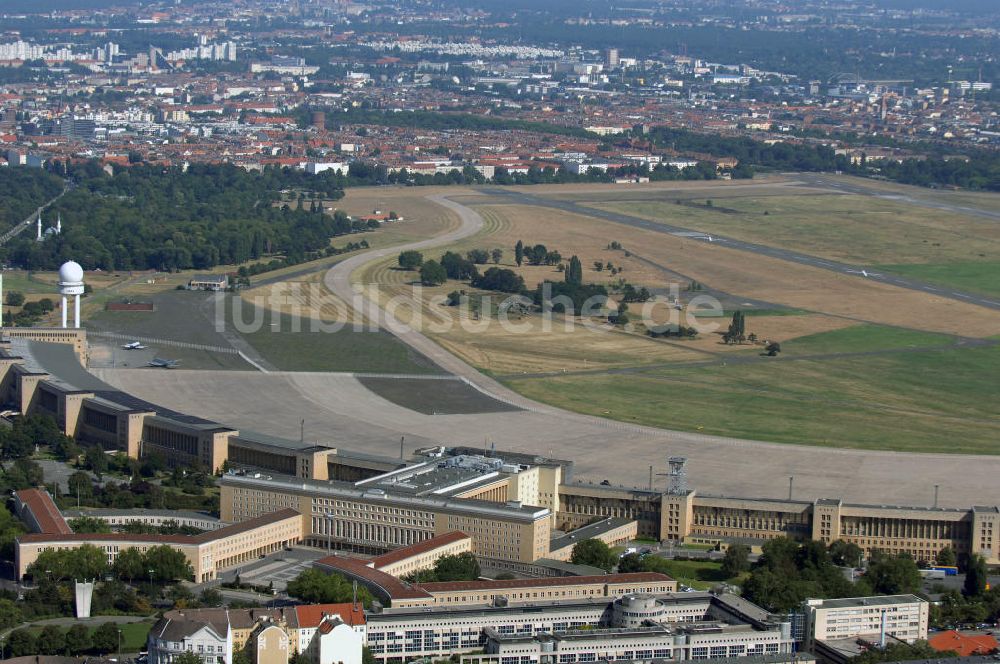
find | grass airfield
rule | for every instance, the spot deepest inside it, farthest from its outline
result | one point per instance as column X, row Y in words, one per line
column 863, row 365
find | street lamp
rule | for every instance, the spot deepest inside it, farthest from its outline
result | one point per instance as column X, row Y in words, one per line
column 119, row 645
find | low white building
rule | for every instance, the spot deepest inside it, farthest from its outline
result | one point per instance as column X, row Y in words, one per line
column 315, row 167
column 902, row 617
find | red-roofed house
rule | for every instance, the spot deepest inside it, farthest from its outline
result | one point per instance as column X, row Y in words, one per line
column 322, row 620
column 965, row 645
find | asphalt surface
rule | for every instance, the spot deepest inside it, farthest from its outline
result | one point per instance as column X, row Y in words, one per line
column 861, row 271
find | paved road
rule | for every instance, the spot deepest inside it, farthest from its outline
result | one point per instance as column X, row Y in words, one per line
column 861, row 271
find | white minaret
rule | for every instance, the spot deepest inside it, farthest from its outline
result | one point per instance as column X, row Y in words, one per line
column 71, row 283
column 59, row 224
column 39, row 236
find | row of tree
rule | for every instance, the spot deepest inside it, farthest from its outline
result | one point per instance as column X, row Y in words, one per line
column 158, row 564
column 75, row 641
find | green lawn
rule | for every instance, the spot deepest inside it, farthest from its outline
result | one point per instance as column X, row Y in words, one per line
column 342, row 350
column 936, row 401
column 973, row 276
column 24, row 282
column 862, row 338
column 699, row 574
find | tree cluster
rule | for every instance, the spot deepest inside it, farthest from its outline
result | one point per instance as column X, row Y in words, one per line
column 459, row 567
column 22, row 191
column 75, row 641
column 788, row 572
column 595, row 553
column 315, row 587
column 148, row 217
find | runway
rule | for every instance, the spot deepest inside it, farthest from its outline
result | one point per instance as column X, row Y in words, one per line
column 521, row 198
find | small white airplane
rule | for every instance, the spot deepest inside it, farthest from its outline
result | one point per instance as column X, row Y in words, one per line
column 133, row 345
column 864, row 273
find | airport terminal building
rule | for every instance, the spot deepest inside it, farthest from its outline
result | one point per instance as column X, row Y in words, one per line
column 515, row 507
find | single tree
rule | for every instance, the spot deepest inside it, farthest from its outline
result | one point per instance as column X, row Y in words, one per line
column 735, row 561
column 433, row 273
column 51, row 640
column 410, row 259
column 946, row 557
column 574, row 273
column 893, row 575
column 97, row 460
column 496, row 255
column 80, row 486
column 975, row 577
column 10, row 614
column 846, row 554
column 105, row 639
column 89, row 524
column 210, row 597
column 130, row 565
column 519, row 253
column 593, row 552
column 22, row 642
column 631, row 562
column 77, row 639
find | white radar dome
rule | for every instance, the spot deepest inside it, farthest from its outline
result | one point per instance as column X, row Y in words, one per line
column 71, row 273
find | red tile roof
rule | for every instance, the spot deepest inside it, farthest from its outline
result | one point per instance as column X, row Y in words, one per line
column 963, row 644
column 45, row 512
column 405, row 552
column 360, row 570
column 310, row 615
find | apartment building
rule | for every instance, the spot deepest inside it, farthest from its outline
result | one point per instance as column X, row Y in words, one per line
column 902, row 617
